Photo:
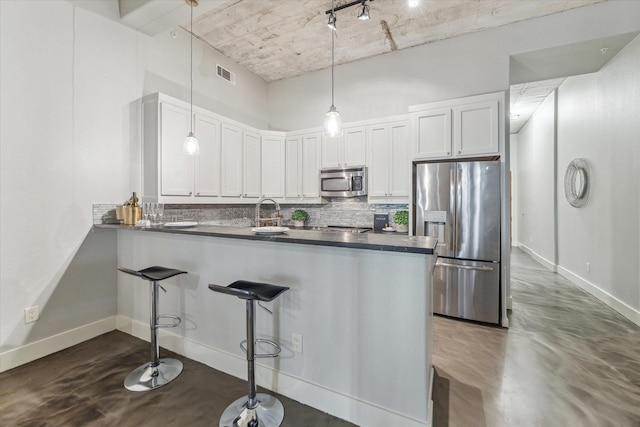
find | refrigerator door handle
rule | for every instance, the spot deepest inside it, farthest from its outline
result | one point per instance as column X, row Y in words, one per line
column 458, row 207
column 463, row 267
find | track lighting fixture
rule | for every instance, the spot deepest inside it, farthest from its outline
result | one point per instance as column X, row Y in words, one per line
column 363, row 11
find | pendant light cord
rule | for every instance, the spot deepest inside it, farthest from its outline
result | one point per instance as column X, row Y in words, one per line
column 191, row 63
column 333, row 6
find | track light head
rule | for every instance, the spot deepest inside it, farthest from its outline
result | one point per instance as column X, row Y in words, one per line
column 363, row 14
column 332, row 21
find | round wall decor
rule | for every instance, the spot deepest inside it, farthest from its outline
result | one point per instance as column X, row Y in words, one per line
column 576, row 183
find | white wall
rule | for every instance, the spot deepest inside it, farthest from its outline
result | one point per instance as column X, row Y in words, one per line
column 536, row 164
column 473, row 64
column 67, row 79
column 598, row 120
column 515, row 200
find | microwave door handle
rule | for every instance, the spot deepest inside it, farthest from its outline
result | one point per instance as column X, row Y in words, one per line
column 350, row 182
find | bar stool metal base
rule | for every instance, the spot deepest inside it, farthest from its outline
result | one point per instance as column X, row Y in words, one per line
column 268, row 413
column 147, row 377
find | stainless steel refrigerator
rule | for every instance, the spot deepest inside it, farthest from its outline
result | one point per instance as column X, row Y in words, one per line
column 459, row 203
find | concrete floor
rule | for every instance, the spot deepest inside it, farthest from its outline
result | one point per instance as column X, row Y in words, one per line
column 567, row 360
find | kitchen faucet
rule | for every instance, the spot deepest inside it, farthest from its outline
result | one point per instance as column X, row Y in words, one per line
column 259, row 220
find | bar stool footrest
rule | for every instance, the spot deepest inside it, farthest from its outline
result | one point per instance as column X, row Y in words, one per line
column 243, row 346
column 176, row 321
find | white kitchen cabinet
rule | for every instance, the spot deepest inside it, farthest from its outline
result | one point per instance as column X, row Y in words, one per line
column 252, row 165
column 462, row 128
column 207, row 164
column 389, row 164
column 293, row 169
column 273, row 165
column 303, row 154
column 434, row 133
column 311, row 155
column 241, row 163
column 168, row 175
column 231, row 160
column 347, row 150
column 475, row 129
column 177, row 169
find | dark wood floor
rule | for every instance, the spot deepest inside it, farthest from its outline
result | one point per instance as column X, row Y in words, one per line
column 83, row 386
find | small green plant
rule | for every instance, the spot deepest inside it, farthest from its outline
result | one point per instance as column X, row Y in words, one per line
column 299, row 215
column 401, row 217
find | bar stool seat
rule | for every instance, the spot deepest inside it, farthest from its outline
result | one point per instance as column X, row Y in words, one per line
column 255, row 409
column 157, row 372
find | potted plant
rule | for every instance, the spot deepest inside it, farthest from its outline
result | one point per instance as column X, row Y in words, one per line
column 299, row 217
column 401, row 219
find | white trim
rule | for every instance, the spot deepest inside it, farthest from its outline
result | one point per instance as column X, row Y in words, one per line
column 542, row 260
column 627, row 311
column 325, row 399
column 432, row 372
column 27, row 353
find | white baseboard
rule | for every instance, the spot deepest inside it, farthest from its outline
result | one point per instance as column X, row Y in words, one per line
column 613, row 302
column 336, row 403
column 542, row 260
column 30, row 352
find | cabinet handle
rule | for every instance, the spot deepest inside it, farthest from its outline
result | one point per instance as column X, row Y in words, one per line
column 190, row 193
column 198, row 193
column 448, row 153
column 459, row 151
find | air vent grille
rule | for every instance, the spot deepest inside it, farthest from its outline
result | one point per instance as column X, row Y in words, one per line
column 223, row 73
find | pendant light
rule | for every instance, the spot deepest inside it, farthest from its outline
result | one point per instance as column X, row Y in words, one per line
column 332, row 122
column 191, row 145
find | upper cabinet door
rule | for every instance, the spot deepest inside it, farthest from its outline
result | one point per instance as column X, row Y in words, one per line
column 433, row 133
column 207, row 164
column 273, row 166
column 311, row 153
column 231, row 160
column 331, row 155
column 177, row 168
column 400, row 176
column 252, row 165
column 353, row 146
column 475, row 128
column 378, row 155
column 293, row 162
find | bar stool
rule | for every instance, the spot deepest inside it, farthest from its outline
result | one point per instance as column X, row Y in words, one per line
column 158, row 372
column 256, row 409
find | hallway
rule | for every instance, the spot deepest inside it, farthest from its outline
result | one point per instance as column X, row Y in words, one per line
column 566, row 360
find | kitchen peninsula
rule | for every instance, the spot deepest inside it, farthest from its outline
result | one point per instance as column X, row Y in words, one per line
column 361, row 302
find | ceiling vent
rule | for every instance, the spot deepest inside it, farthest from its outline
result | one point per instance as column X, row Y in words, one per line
column 226, row 74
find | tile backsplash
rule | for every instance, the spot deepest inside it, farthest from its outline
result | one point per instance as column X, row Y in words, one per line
column 353, row 212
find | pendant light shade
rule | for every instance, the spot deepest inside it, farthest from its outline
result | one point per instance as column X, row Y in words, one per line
column 332, row 123
column 332, row 126
column 191, row 146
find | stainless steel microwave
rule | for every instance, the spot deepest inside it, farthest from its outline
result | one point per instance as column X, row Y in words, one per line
column 343, row 182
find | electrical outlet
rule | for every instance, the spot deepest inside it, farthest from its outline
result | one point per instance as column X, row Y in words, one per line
column 31, row 314
column 296, row 340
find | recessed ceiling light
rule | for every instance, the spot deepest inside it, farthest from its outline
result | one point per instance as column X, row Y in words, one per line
column 413, row 3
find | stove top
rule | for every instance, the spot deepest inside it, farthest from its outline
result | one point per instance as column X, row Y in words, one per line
column 343, row 229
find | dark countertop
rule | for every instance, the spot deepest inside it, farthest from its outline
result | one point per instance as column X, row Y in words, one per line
column 391, row 242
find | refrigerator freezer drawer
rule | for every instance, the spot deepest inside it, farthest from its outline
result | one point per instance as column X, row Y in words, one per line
column 467, row 290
